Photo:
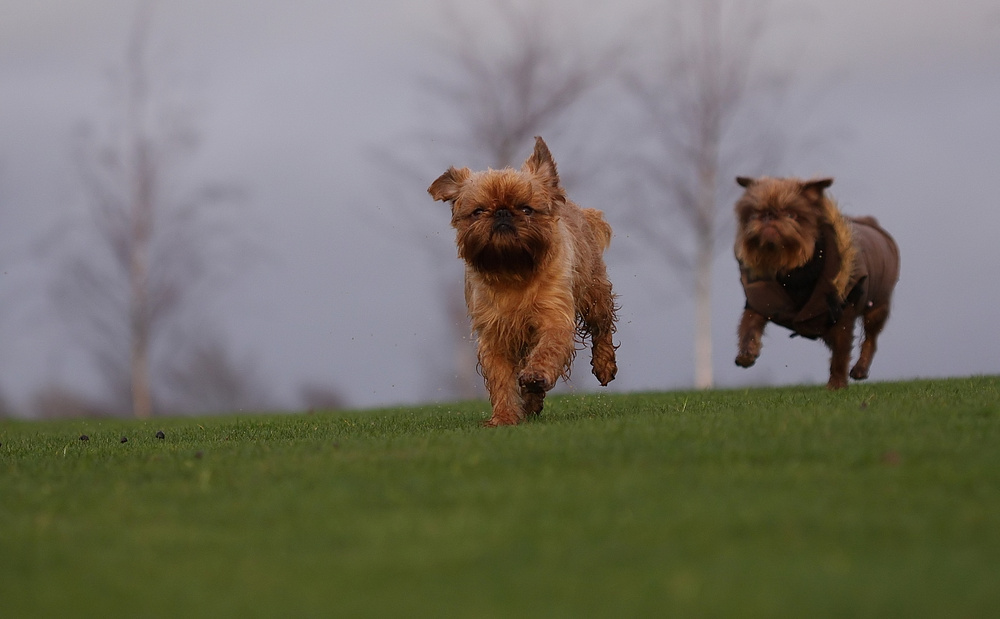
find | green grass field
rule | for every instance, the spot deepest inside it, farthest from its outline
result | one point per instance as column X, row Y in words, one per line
column 879, row 501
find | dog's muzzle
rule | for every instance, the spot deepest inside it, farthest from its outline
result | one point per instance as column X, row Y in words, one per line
column 503, row 221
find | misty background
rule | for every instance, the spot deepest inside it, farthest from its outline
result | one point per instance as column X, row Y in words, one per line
column 326, row 279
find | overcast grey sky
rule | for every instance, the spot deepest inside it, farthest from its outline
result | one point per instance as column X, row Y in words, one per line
column 292, row 96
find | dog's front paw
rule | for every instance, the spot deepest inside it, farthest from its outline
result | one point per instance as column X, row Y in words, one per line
column 836, row 383
column 745, row 359
column 859, row 372
column 499, row 420
column 534, row 382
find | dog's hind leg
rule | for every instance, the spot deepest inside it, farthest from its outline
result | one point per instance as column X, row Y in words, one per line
column 840, row 340
column 873, row 321
column 598, row 321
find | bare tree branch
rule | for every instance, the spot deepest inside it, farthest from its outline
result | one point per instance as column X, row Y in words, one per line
column 154, row 244
column 502, row 94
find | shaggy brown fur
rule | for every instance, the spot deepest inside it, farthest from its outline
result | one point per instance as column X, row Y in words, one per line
column 534, row 278
column 808, row 268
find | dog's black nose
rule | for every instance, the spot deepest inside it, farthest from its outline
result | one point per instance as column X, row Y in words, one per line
column 503, row 221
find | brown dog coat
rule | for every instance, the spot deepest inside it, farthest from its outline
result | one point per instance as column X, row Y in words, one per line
column 809, row 299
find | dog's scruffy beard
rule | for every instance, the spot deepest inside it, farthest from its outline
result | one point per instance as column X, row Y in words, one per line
column 505, row 243
column 778, row 227
column 535, row 279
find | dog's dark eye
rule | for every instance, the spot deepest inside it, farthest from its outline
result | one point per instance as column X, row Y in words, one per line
column 478, row 212
column 527, row 210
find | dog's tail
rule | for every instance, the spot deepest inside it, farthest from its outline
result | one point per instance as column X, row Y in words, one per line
column 601, row 228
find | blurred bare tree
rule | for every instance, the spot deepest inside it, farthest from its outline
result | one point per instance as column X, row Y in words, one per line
column 711, row 110
column 502, row 76
column 156, row 241
column 208, row 378
column 321, row 397
column 517, row 78
column 60, row 402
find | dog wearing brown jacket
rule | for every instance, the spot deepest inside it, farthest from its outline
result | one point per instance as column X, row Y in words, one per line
column 810, row 269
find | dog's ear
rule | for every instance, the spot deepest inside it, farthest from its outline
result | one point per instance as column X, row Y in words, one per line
column 745, row 181
column 541, row 164
column 814, row 189
column 448, row 186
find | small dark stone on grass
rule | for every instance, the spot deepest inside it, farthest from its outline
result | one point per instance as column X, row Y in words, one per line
column 84, row 437
column 124, row 439
column 160, row 435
